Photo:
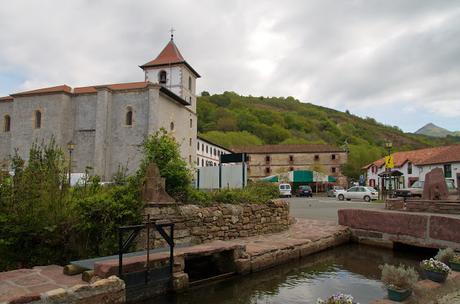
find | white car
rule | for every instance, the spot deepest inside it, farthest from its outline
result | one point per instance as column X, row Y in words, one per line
column 285, row 190
column 358, row 192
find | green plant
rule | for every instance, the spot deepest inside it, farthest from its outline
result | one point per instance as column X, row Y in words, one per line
column 445, row 255
column 434, row 266
column 162, row 149
column 455, row 259
column 399, row 277
column 338, row 298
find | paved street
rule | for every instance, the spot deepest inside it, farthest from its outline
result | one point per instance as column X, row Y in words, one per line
column 325, row 208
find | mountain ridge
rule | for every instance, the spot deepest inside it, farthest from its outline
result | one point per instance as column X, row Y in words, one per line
column 430, row 129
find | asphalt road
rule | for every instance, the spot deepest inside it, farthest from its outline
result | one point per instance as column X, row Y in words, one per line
column 325, row 208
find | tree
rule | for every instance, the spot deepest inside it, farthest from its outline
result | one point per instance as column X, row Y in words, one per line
column 163, row 150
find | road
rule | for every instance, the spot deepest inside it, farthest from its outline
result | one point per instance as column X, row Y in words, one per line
column 324, row 208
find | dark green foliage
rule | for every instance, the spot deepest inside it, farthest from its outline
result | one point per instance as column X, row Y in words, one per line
column 43, row 221
column 99, row 211
column 278, row 120
column 161, row 149
column 254, row 193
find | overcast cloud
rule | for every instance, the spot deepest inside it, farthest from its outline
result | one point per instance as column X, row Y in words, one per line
column 396, row 61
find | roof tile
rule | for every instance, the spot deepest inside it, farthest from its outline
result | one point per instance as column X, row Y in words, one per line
column 287, row 149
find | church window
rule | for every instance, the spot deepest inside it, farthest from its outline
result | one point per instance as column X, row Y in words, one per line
column 191, row 123
column 190, row 142
column 38, row 119
column 202, row 163
column 7, row 126
column 129, row 116
column 162, row 77
column 171, row 126
column 190, row 83
column 198, row 146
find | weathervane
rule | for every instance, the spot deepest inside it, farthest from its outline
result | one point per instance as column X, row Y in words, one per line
column 172, row 30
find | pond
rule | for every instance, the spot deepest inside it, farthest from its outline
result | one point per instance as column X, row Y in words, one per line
column 350, row 268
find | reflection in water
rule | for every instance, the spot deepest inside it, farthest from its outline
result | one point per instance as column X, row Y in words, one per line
column 350, row 268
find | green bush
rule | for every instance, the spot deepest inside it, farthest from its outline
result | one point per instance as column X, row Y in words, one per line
column 162, row 149
column 44, row 221
column 254, row 193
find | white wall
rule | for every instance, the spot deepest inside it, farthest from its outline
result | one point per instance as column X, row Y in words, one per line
column 208, row 158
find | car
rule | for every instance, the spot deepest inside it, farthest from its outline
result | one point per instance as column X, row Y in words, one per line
column 358, row 192
column 416, row 190
column 285, row 190
column 305, row 190
column 334, row 190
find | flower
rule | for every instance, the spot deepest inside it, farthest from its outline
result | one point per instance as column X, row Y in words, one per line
column 435, row 266
column 338, row 298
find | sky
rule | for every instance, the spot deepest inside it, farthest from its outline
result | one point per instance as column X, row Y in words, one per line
column 395, row 61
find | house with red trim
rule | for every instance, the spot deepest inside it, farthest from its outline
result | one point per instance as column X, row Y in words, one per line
column 413, row 165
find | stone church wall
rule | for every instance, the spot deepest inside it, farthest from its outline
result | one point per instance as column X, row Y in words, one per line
column 195, row 224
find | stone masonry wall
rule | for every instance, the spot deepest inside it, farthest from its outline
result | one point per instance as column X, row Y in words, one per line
column 195, row 224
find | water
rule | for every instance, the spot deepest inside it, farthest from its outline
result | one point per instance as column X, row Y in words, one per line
column 351, row 269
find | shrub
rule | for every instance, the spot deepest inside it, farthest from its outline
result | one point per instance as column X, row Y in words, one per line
column 455, row 259
column 162, row 149
column 435, row 266
column 399, row 277
column 254, row 193
column 338, row 298
column 445, row 255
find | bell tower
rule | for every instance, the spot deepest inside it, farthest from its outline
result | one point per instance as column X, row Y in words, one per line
column 170, row 70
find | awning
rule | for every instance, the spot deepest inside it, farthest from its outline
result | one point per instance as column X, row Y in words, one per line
column 331, row 179
column 270, row 179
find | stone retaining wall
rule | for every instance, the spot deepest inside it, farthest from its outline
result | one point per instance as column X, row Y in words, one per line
column 386, row 227
column 105, row 291
column 446, row 207
column 195, row 224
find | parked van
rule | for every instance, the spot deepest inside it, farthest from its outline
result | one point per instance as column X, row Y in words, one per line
column 285, row 190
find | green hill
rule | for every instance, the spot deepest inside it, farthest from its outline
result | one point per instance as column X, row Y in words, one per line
column 230, row 120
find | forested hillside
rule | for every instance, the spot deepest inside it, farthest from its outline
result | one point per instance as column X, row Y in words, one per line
column 230, row 120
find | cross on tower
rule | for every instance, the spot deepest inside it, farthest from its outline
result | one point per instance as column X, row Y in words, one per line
column 172, row 30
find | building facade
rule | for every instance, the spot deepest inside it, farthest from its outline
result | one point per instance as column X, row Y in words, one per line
column 208, row 153
column 414, row 165
column 107, row 123
column 267, row 160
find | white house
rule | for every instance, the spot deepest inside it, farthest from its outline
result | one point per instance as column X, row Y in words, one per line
column 414, row 165
column 208, row 153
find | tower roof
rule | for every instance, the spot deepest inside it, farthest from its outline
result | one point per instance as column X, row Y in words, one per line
column 168, row 56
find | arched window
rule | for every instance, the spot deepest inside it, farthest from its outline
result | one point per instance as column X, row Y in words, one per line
column 129, row 116
column 171, row 126
column 7, row 126
column 162, row 77
column 38, row 119
column 190, row 83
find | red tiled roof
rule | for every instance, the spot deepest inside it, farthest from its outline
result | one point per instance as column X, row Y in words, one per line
column 115, row 87
column 6, row 98
column 449, row 155
column 61, row 88
column 422, row 156
column 168, row 56
column 93, row 89
column 287, row 149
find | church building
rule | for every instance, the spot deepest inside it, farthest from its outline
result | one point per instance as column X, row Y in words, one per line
column 106, row 123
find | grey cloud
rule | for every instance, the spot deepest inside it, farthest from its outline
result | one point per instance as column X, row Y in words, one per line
column 334, row 53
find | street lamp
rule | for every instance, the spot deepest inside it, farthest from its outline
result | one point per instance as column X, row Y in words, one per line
column 70, row 148
column 389, row 145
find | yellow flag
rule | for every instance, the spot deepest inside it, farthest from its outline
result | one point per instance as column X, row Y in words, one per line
column 389, row 162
